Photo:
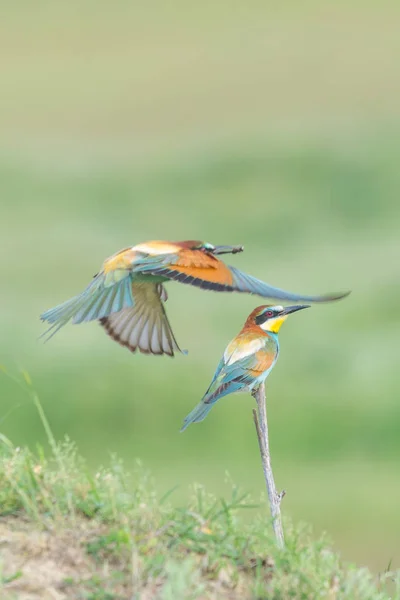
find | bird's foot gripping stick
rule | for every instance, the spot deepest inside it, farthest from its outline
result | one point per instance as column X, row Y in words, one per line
column 275, row 498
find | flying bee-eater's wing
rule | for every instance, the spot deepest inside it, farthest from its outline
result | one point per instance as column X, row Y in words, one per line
column 108, row 292
column 192, row 267
column 143, row 326
column 244, row 363
column 95, row 302
column 203, row 270
column 247, row 283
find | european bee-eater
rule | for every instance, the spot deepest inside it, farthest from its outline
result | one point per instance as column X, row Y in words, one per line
column 127, row 294
column 248, row 359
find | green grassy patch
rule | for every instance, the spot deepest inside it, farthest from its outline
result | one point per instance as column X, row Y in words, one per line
column 69, row 533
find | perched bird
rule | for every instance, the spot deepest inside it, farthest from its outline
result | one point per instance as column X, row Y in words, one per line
column 247, row 360
column 127, row 294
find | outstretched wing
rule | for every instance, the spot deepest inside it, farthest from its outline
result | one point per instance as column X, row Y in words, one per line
column 193, row 267
column 109, row 292
column 96, row 301
column 144, row 325
column 247, row 283
column 208, row 272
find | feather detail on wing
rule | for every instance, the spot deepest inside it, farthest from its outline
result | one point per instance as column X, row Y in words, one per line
column 241, row 367
column 144, row 326
column 107, row 293
column 238, row 375
column 251, row 285
column 192, row 267
column 101, row 297
column 162, row 292
column 243, row 346
column 207, row 272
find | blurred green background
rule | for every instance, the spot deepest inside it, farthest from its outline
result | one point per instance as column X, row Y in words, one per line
column 273, row 126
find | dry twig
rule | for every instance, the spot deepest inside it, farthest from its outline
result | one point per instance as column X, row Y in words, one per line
column 261, row 423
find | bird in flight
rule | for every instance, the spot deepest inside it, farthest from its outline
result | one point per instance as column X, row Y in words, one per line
column 127, row 295
column 247, row 360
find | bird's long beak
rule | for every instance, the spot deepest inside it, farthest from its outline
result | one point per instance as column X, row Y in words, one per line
column 291, row 309
column 227, row 249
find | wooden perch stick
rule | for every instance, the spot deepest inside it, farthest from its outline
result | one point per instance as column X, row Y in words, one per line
column 261, row 423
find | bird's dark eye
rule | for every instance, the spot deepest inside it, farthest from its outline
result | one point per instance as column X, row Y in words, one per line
column 269, row 313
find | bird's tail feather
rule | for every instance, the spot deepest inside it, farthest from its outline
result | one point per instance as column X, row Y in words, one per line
column 198, row 414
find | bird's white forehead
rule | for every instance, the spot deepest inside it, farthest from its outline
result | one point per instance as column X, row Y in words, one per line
column 277, row 308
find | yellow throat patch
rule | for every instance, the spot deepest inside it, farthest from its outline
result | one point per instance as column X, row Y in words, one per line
column 274, row 325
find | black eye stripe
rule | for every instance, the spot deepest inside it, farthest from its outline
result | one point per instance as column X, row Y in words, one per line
column 264, row 316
